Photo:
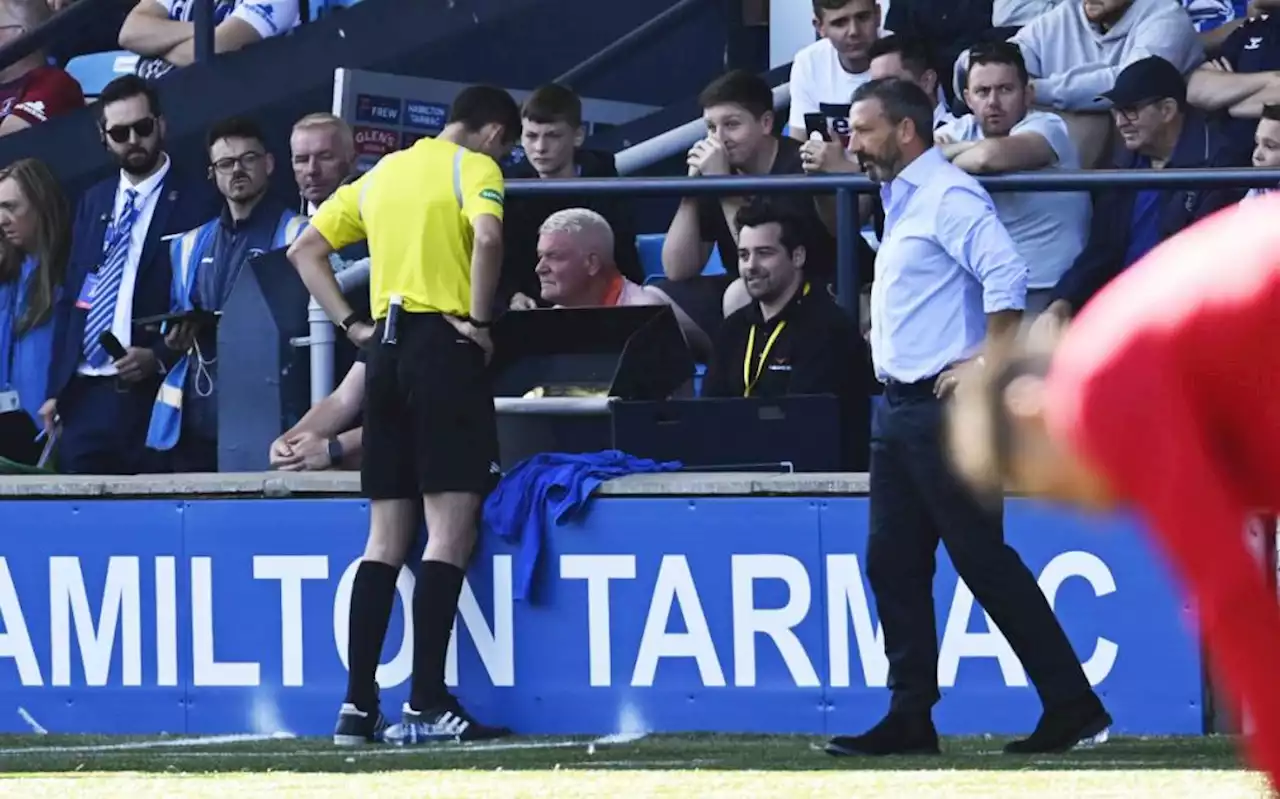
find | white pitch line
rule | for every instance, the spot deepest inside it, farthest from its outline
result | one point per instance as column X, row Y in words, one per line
column 643, row 764
column 31, row 722
column 513, row 746
column 211, row 740
column 375, row 750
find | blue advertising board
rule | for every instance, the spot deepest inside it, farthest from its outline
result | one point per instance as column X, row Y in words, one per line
column 648, row 614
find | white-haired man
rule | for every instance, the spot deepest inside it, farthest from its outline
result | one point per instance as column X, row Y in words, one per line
column 576, row 268
column 323, row 151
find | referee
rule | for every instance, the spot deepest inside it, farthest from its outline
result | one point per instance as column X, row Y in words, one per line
column 432, row 215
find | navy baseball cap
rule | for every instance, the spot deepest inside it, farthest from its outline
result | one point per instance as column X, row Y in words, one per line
column 1148, row 80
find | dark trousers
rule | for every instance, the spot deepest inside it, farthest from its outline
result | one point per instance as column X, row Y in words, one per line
column 104, row 427
column 917, row 501
column 194, row 453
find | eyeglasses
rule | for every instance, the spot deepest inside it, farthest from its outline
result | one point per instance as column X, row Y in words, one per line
column 1130, row 113
column 143, row 127
column 247, row 161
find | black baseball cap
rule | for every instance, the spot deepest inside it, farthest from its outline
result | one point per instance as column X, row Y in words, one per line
column 1147, row 80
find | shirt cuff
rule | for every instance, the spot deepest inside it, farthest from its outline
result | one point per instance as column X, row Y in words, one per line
column 1003, row 300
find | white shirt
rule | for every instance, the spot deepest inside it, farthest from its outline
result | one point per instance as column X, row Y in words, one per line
column 821, row 85
column 941, row 113
column 148, row 195
column 267, row 17
column 946, row 262
column 1048, row 228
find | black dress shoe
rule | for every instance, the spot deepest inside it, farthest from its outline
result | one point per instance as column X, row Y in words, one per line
column 896, row 734
column 1081, row 722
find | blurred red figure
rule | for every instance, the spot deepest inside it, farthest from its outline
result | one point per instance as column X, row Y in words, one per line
column 1164, row 395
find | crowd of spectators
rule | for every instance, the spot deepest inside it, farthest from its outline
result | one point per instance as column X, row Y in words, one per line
column 1036, row 85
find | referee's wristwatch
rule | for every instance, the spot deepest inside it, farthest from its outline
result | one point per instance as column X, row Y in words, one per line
column 354, row 319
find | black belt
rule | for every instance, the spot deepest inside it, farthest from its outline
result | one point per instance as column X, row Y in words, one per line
column 896, row 389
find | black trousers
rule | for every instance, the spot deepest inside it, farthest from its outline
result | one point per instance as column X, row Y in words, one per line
column 104, row 427
column 916, row 501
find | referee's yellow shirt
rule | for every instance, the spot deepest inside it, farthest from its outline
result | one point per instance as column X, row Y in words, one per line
column 416, row 208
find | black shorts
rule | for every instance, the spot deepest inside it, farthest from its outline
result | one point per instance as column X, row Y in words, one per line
column 429, row 423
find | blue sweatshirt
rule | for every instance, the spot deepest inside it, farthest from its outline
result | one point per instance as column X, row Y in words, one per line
column 555, row 485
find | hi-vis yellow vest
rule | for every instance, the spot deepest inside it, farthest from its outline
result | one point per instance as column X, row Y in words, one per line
column 186, row 253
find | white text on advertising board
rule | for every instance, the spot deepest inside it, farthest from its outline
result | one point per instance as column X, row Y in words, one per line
column 75, row 632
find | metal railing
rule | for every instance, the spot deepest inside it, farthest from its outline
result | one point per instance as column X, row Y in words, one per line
column 641, row 34
column 846, row 188
column 86, row 12
column 202, row 16
column 78, row 15
column 678, row 140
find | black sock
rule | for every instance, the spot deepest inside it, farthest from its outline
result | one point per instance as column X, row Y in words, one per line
column 373, row 593
column 435, row 603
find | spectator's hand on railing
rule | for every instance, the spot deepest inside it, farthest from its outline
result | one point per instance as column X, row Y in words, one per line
column 522, row 302
column 824, row 157
column 303, row 452
column 137, row 364
column 282, row 456
column 708, row 158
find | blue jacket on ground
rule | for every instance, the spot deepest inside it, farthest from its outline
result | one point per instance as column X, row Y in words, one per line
column 552, row 485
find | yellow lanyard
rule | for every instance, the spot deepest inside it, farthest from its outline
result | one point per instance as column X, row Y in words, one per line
column 749, row 379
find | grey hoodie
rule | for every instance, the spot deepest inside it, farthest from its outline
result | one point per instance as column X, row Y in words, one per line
column 1072, row 62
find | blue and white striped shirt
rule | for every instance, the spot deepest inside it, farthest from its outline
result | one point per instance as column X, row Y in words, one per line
column 945, row 262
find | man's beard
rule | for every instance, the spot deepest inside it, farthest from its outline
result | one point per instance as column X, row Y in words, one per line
column 246, row 193
column 132, row 164
column 886, row 167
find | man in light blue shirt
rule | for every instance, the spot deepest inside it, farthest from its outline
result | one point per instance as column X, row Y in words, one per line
column 948, row 282
column 1003, row 134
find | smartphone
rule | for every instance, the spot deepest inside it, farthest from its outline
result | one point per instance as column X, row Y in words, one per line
column 817, row 123
column 112, row 345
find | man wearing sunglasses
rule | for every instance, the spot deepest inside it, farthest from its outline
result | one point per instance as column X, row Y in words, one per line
column 207, row 262
column 1158, row 130
column 119, row 271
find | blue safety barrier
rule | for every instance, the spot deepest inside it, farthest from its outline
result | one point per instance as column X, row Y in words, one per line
column 655, row 614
